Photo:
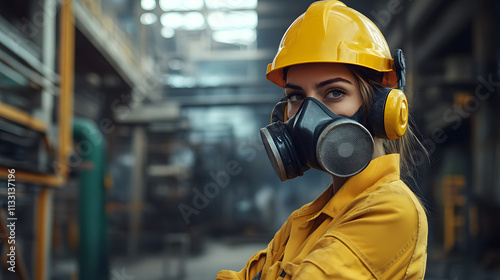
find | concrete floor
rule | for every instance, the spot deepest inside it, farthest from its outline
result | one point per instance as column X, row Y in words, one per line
column 218, row 255
column 221, row 255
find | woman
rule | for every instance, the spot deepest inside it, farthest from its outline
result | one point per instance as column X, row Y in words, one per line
column 343, row 117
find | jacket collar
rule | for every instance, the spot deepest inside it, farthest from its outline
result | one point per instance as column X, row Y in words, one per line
column 381, row 170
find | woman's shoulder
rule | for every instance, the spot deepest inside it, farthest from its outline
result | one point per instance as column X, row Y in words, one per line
column 382, row 225
column 393, row 197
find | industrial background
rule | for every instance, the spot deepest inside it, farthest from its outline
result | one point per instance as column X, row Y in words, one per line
column 133, row 130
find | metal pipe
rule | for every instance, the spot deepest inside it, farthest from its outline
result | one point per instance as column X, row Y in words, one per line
column 67, row 68
column 20, row 117
column 43, row 227
column 92, row 247
column 28, row 177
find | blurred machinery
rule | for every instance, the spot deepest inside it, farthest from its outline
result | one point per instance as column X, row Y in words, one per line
column 51, row 74
column 453, row 71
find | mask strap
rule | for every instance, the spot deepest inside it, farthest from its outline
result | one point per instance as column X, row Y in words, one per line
column 359, row 116
column 400, row 65
column 279, row 111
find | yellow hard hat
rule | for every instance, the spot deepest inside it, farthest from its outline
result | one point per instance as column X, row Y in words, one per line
column 329, row 31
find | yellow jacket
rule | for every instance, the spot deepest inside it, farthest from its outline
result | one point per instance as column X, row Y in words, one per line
column 374, row 227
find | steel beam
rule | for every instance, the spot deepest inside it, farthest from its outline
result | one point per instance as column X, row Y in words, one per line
column 233, row 55
column 150, row 113
column 215, row 100
column 22, row 47
column 107, row 46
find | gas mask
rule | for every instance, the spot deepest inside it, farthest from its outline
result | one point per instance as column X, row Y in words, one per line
column 315, row 137
column 318, row 138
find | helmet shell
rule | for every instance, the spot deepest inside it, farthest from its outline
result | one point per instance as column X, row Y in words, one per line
column 331, row 32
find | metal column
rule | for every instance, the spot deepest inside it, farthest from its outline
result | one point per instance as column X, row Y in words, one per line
column 136, row 203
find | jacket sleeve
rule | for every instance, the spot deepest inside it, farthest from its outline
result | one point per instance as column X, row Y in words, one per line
column 252, row 268
column 334, row 260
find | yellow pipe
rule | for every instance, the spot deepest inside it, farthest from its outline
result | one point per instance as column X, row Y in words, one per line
column 18, row 116
column 28, row 177
column 21, row 117
column 67, row 47
column 43, row 218
column 449, row 227
column 452, row 185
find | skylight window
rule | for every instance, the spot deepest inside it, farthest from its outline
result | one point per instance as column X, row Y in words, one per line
column 181, row 5
column 167, row 32
column 231, row 4
column 187, row 21
column 238, row 37
column 194, row 21
column 232, row 20
column 148, row 18
column 172, row 20
column 148, row 5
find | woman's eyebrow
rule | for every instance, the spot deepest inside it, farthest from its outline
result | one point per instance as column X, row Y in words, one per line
column 292, row 86
column 331, row 81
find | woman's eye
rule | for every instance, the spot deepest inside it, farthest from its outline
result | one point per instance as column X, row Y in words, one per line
column 335, row 93
column 295, row 97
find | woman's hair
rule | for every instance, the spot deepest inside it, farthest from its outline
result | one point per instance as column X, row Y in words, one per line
column 369, row 80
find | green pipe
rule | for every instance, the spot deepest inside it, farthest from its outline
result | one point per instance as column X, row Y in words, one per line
column 92, row 250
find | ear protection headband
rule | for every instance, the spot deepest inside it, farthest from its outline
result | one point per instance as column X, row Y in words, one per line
column 388, row 117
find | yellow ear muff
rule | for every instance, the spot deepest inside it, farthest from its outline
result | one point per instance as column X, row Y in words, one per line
column 395, row 114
